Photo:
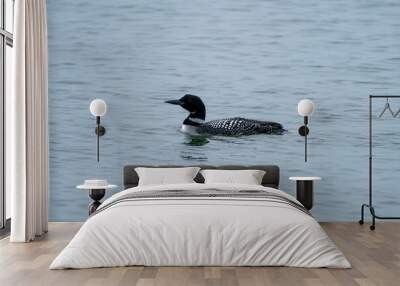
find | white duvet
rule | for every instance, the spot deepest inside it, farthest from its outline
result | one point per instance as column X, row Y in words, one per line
column 200, row 231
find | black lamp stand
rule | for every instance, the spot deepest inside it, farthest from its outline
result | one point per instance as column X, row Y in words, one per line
column 100, row 131
column 303, row 131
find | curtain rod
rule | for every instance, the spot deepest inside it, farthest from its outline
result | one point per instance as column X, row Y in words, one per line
column 384, row 96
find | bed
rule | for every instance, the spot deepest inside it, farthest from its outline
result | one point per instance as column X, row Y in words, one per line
column 199, row 224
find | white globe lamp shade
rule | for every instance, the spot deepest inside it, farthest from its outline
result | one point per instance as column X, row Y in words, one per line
column 305, row 107
column 98, row 107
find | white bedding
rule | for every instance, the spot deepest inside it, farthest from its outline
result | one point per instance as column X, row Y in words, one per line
column 200, row 231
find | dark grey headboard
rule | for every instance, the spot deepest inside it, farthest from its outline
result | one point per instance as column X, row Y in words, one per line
column 271, row 177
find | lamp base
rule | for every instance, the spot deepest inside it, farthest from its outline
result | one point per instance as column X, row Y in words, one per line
column 100, row 130
column 303, row 130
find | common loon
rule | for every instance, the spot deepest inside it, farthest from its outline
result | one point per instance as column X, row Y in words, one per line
column 236, row 126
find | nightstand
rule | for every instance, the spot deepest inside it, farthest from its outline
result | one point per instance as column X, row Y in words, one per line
column 97, row 190
column 305, row 190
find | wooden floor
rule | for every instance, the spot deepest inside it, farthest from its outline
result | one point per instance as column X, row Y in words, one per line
column 375, row 257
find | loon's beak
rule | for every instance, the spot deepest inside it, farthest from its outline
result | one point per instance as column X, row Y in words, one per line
column 174, row 101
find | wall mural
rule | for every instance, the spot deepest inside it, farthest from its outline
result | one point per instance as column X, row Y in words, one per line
column 247, row 61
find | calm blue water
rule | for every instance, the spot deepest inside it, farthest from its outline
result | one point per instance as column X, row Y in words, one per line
column 244, row 58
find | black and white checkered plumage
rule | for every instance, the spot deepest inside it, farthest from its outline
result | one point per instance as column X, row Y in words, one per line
column 239, row 126
column 235, row 126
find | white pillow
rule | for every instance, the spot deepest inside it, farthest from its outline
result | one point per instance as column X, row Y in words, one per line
column 248, row 177
column 166, row 176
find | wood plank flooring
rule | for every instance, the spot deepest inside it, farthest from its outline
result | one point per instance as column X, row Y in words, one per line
column 375, row 257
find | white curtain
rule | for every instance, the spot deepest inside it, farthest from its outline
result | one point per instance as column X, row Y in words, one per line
column 27, row 123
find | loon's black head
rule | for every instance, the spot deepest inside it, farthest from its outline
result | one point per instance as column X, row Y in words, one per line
column 193, row 104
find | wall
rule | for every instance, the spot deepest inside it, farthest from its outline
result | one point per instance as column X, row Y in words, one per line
column 244, row 58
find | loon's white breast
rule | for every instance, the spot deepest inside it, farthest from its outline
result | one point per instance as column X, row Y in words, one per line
column 189, row 129
column 192, row 126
